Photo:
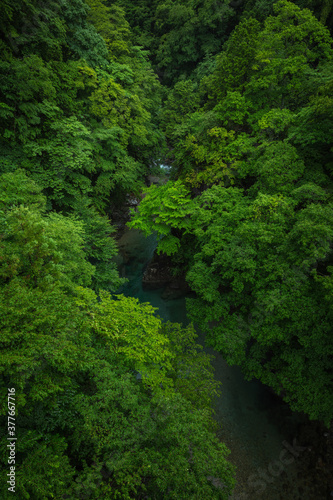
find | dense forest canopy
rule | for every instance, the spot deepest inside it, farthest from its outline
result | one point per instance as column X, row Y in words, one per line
column 236, row 95
column 249, row 213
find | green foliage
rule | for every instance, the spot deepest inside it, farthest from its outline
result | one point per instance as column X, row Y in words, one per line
column 181, row 101
column 209, row 157
column 36, row 248
column 163, row 208
column 148, row 447
column 278, row 168
column 82, row 122
column 111, row 402
column 234, row 63
column 17, row 189
column 192, row 371
column 111, row 24
column 290, row 47
column 131, row 330
column 44, row 472
column 179, row 34
column 255, row 269
column 87, row 424
column 99, row 246
column 189, row 31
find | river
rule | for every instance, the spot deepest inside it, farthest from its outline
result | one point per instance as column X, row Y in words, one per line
column 259, row 429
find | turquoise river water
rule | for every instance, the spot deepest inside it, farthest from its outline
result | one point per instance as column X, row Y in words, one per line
column 258, row 428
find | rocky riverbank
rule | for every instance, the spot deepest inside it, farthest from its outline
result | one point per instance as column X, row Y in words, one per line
column 159, row 274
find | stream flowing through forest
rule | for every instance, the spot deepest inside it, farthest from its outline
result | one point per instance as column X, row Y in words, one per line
column 259, row 429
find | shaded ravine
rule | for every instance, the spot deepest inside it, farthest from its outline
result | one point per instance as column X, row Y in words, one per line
column 259, row 429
